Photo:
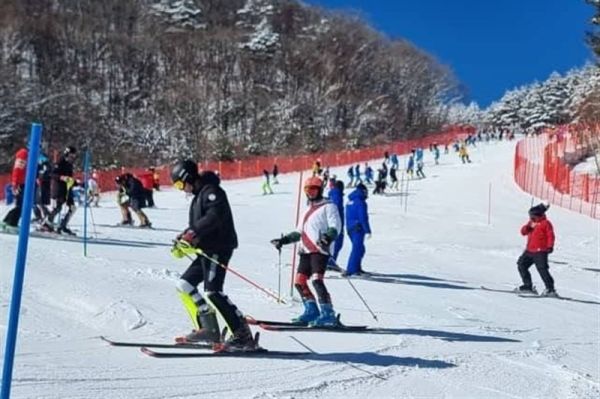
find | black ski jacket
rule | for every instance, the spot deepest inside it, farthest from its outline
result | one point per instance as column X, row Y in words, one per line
column 210, row 215
column 62, row 168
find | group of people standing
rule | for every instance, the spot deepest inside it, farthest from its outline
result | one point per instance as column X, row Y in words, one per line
column 54, row 182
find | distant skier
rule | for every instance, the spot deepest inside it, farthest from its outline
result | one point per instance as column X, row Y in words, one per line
column 420, row 165
column 395, row 161
column 266, row 186
column 11, row 220
column 275, row 174
column 318, row 228
column 394, row 178
column 358, row 227
column 210, row 228
column 93, row 190
column 410, row 167
column 464, row 154
column 62, row 184
column 436, row 153
column 368, row 174
column 350, row 174
column 540, row 243
column 147, row 180
column 357, row 179
column 131, row 196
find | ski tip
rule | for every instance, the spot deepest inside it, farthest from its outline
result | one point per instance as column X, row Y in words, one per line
column 267, row 326
column 251, row 320
column 147, row 351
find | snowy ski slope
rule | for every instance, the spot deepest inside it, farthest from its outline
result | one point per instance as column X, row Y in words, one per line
column 442, row 336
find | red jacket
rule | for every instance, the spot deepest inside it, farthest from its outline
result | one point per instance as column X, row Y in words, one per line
column 539, row 238
column 147, row 180
column 18, row 172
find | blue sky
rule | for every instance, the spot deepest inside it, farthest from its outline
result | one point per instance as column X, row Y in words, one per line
column 491, row 46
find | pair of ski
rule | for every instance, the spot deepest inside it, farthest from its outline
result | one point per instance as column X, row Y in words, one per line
column 522, row 294
column 149, row 348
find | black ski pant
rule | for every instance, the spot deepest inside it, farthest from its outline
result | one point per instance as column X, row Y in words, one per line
column 13, row 216
column 540, row 259
column 314, row 265
column 213, row 276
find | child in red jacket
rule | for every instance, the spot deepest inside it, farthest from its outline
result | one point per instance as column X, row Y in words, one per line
column 540, row 243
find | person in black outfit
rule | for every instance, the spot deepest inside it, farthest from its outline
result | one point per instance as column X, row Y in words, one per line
column 211, row 229
column 275, row 173
column 132, row 196
column 42, row 195
column 62, row 183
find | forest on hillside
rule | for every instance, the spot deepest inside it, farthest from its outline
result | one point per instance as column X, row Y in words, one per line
column 142, row 81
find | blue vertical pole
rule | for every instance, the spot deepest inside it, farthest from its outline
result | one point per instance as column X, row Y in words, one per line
column 86, row 171
column 15, row 303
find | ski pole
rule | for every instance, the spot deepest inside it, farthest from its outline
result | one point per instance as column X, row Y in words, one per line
column 227, row 268
column 357, row 293
column 279, row 275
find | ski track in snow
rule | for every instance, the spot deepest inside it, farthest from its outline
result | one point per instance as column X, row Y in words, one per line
column 441, row 335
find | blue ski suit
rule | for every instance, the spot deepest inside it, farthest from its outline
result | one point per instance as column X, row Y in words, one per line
column 337, row 197
column 357, row 225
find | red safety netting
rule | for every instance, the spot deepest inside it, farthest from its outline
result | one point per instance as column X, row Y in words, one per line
column 544, row 167
column 252, row 167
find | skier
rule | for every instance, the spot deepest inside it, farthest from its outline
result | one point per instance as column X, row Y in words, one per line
column 62, row 183
column 357, row 178
column 42, row 197
column 147, row 180
column 381, row 181
column 266, row 187
column 93, row 190
column 316, row 169
column 336, row 195
column 11, row 220
column 155, row 177
column 210, row 229
column 275, row 173
column 411, row 165
column 395, row 162
column 540, row 243
column 419, row 154
column 464, row 154
column 369, row 174
column 436, row 153
column 351, row 176
column 394, row 179
column 131, row 195
column 357, row 226
column 420, row 165
column 318, row 228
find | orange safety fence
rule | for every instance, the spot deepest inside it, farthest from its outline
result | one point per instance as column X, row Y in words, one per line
column 253, row 167
column 545, row 167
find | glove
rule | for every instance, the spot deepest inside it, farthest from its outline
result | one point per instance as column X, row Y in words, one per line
column 324, row 241
column 368, row 236
column 69, row 181
column 123, row 199
column 277, row 243
column 188, row 236
column 183, row 248
column 16, row 189
column 550, row 250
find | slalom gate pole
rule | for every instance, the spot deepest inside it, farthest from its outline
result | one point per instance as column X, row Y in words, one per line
column 86, row 167
column 357, row 293
column 294, row 251
column 17, row 289
column 229, row 269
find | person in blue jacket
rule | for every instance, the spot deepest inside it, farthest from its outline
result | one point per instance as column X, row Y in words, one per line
column 336, row 195
column 357, row 226
column 368, row 174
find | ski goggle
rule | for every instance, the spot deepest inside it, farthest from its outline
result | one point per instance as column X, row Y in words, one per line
column 179, row 185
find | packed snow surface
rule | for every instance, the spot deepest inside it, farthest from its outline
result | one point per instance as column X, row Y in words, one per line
column 441, row 335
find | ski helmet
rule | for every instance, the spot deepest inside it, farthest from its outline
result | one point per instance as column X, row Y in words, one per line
column 313, row 187
column 184, row 172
